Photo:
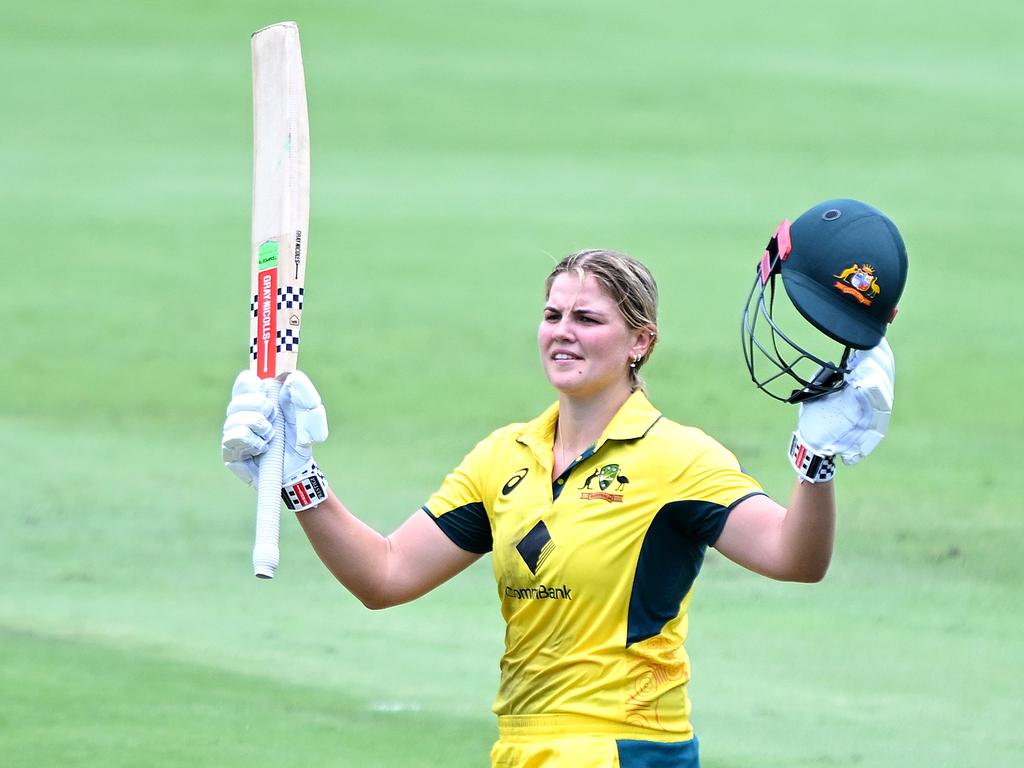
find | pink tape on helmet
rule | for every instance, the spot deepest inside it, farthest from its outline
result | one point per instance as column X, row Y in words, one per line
column 780, row 245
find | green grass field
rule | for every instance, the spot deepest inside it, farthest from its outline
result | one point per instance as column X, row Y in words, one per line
column 458, row 148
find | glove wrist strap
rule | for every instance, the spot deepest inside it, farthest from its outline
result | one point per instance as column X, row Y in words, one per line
column 305, row 490
column 810, row 467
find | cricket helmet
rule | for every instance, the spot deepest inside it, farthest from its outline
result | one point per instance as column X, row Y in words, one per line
column 843, row 266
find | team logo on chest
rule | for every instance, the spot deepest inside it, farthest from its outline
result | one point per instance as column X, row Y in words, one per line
column 605, row 477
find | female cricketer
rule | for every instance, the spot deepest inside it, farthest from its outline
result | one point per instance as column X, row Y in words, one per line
column 597, row 515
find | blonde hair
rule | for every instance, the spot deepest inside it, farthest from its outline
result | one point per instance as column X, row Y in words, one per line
column 629, row 284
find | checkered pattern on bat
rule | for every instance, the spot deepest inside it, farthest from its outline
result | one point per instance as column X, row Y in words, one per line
column 287, row 298
column 287, row 341
column 290, row 298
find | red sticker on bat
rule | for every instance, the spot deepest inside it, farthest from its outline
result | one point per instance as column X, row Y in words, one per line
column 266, row 332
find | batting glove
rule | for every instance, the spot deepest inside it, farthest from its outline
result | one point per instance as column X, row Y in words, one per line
column 248, row 430
column 248, row 427
column 305, row 423
column 849, row 423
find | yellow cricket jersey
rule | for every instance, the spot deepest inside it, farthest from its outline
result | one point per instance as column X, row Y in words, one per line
column 595, row 570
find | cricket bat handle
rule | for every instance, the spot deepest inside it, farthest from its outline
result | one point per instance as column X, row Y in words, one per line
column 266, row 552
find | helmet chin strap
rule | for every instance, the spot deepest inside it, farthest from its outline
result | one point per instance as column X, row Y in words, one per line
column 826, row 381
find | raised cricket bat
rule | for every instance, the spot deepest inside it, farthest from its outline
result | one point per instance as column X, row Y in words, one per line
column 280, row 221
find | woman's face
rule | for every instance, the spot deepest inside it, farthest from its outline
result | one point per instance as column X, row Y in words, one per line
column 585, row 345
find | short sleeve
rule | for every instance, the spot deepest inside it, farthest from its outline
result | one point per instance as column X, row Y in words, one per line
column 705, row 492
column 458, row 506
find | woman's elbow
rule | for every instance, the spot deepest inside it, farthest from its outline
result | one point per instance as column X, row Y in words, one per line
column 808, row 573
column 379, row 599
column 374, row 603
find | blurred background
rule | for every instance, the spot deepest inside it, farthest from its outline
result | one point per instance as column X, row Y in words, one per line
column 458, row 150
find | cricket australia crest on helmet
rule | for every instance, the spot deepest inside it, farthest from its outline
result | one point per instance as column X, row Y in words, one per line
column 860, row 282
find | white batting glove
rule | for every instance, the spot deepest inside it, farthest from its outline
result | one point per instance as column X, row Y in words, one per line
column 248, row 430
column 305, row 423
column 849, row 423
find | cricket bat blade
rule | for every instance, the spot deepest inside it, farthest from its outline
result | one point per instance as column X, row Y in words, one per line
column 280, row 221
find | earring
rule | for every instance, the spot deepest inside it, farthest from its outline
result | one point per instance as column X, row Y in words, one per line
column 636, row 359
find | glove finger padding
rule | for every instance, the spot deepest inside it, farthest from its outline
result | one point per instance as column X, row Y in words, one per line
column 305, row 423
column 247, row 428
column 873, row 377
column 880, row 356
column 251, row 401
column 246, row 471
column 246, row 382
column 304, row 411
column 246, row 435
